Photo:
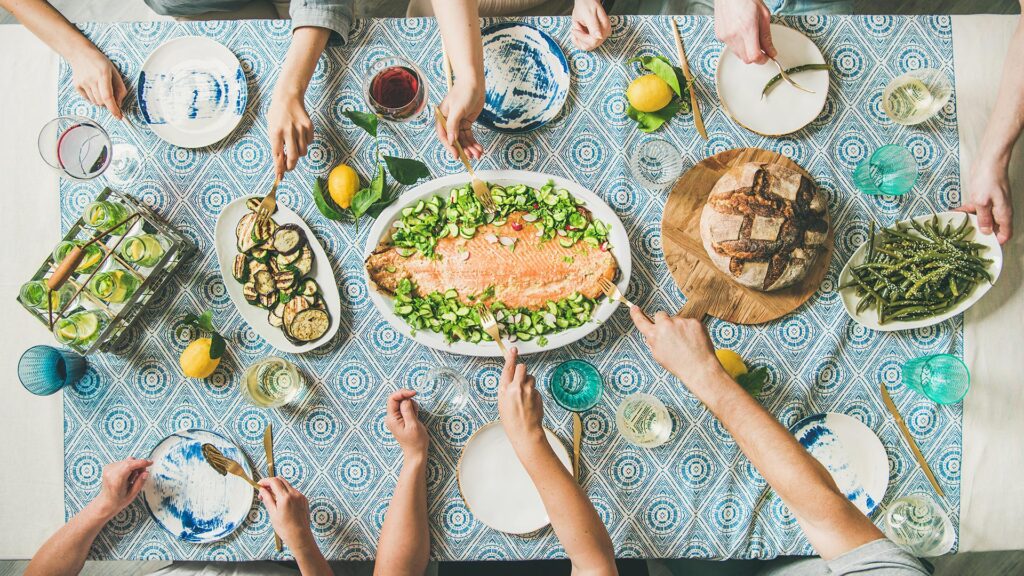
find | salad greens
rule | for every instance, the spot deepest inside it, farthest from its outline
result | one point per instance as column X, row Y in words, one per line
column 554, row 212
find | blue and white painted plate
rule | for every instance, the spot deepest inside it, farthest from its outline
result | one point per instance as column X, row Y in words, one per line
column 851, row 453
column 187, row 497
column 527, row 78
column 192, row 91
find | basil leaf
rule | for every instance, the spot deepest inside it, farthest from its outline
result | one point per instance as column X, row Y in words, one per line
column 323, row 203
column 663, row 69
column 651, row 121
column 406, row 170
column 217, row 346
column 365, row 120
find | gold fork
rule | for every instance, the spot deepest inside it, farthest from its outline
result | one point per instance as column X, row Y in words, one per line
column 224, row 465
column 269, row 204
column 613, row 293
column 490, row 325
column 480, row 190
column 782, row 72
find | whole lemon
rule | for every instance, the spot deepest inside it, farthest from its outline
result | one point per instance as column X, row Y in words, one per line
column 649, row 93
column 342, row 184
column 731, row 361
column 195, row 360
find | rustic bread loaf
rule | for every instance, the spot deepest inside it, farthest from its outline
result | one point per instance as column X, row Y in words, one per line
column 764, row 225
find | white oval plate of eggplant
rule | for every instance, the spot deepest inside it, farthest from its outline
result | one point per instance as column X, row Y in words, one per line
column 278, row 276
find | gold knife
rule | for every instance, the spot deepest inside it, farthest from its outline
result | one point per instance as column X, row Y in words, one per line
column 697, row 120
column 577, row 436
column 910, row 440
column 268, row 446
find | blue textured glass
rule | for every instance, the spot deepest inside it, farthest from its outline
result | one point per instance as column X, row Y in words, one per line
column 890, row 171
column 44, row 369
column 576, row 385
column 942, row 377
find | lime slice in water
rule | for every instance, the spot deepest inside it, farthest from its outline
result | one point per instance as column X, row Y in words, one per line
column 67, row 331
column 134, row 249
column 87, row 325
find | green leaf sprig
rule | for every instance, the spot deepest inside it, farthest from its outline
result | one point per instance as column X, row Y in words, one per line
column 753, row 382
column 204, row 323
column 676, row 80
column 373, row 199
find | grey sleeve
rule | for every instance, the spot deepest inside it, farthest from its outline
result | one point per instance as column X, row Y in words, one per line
column 334, row 15
column 878, row 558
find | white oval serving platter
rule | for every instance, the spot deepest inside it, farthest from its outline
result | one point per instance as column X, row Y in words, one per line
column 618, row 241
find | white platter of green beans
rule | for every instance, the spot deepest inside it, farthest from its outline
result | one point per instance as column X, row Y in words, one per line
column 919, row 272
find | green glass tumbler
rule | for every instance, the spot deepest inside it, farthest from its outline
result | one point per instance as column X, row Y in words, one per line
column 889, row 171
column 942, row 377
column 576, row 385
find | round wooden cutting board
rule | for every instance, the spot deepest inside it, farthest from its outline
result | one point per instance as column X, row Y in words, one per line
column 707, row 290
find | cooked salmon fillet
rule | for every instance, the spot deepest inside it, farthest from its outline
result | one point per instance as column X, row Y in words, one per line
column 528, row 277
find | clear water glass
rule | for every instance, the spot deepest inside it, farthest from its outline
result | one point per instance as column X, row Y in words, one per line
column 34, row 294
column 643, row 420
column 576, row 385
column 272, row 382
column 916, row 96
column 942, row 377
column 79, row 148
column 656, row 163
column 441, row 391
column 919, row 524
column 890, row 171
column 44, row 369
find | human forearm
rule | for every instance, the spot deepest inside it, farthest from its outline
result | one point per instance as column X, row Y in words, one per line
column 404, row 545
column 459, row 21
column 65, row 552
column 51, row 27
column 307, row 45
column 1007, row 118
column 309, row 558
column 573, row 517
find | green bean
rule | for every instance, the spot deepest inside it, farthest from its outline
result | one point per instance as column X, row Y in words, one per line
column 778, row 77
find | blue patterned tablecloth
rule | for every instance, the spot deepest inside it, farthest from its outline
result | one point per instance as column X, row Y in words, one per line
column 697, row 495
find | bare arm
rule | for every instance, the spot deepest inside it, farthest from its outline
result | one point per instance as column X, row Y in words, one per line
column 65, row 552
column 95, row 78
column 989, row 184
column 288, row 125
column 832, row 524
column 404, row 545
column 573, row 517
column 289, row 515
column 459, row 21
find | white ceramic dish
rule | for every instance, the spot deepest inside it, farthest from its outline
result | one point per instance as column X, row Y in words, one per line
column 618, row 240
column 785, row 109
column 224, row 240
column 192, row 91
column 496, row 487
column 869, row 317
column 187, row 497
column 851, row 453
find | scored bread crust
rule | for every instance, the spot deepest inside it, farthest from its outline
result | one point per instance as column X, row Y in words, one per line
column 764, row 225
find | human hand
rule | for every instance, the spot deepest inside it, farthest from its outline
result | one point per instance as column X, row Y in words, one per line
column 288, row 510
column 519, row 405
column 289, row 128
column 744, row 26
column 404, row 423
column 97, row 80
column 461, row 107
column 680, row 345
column 590, row 24
column 990, row 199
column 122, row 482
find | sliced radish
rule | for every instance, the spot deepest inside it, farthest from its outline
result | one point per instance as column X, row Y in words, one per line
column 491, row 238
column 561, row 233
column 499, row 315
column 464, row 255
column 530, row 217
column 507, row 241
column 604, row 247
column 517, row 226
column 512, row 338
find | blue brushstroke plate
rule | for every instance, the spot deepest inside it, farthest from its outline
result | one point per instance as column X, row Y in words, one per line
column 192, row 91
column 527, row 78
column 851, row 453
column 190, row 499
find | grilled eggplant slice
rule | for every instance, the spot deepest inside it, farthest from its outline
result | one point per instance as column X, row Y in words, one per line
column 286, row 260
column 249, row 292
column 275, row 320
column 285, row 281
column 304, row 265
column 263, row 230
column 240, row 269
column 309, row 325
column 264, row 282
column 253, row 203
column 309, row 287
column 288, row 239
column 292, row 308
column 243, row 233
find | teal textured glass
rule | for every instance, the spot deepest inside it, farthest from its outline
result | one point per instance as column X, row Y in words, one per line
column 44, row 369
column 890, row 171
column 942, row 377
column 576, row 385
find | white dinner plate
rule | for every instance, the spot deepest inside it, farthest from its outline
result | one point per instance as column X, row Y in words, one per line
column 187, row 497
column 618, row 245
column 224, row 240
column 192, row 91
column 851, row 453
column 496, row 487
column 869, row 317
column 785, row 109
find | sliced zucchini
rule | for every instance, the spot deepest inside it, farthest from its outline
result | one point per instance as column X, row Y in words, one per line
column 253, row 203
column 273, row 266
column 255, row 266
column 304, row 265
column 284, row 280
column 249, row 292
column 293, row 307
column 309, row 287
column 268, row 301
column 262, row 230
column 275, row 320
column 288, row 239
column 264, row 282
column 240, row 270
column 309, row 325
column 285, row 260
column 243, row 233
column 260, row 254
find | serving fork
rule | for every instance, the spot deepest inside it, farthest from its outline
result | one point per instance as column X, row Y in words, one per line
column 786, row 77
column 269, row 204
column 490, row 325
column 224, row 465
column 480, row 189
column 613, row 293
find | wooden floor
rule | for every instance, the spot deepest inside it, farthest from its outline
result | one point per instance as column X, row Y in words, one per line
column 986, row 564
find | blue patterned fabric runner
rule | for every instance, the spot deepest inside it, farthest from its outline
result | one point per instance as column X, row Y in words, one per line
column 695, row 496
